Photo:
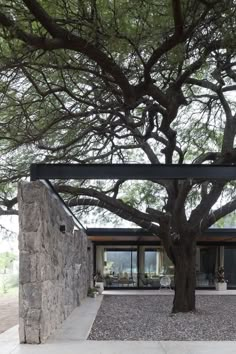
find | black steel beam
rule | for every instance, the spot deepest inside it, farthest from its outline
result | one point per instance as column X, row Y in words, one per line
column 117, row 232
column 131, row 171
column 225, row 243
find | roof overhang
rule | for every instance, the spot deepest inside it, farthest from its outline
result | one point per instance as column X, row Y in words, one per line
column 140, row 235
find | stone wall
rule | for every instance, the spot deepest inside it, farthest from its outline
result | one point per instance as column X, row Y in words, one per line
column 55, row 264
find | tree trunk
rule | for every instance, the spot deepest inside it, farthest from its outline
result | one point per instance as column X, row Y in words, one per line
column 185, row 276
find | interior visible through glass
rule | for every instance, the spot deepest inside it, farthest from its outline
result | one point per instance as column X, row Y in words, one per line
column 145, row 266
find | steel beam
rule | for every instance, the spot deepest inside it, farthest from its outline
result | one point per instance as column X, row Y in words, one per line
column 131, row 171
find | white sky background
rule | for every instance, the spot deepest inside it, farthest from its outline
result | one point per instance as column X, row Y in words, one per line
column 10, row 223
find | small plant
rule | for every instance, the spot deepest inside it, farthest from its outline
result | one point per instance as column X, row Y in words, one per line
column 92, row 292
column 221, row 275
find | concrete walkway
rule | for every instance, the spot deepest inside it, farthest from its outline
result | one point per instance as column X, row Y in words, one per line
column 71, row 339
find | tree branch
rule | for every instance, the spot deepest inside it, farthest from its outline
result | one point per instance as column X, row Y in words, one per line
column 8, row 212
column 46, row 21
column 219, row 213
column 118, row 207
column 205, row 205
column 63, row 39
column 178, row 18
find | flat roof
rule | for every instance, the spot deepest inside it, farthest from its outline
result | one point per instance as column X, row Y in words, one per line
column 140, row 235
column 104, row 231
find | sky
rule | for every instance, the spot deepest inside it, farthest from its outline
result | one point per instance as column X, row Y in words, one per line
column 10, row 223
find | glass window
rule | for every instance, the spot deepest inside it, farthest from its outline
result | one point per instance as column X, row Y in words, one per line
column 120, row 267
column 206, row 258
column 230, row 265
column 151, row 262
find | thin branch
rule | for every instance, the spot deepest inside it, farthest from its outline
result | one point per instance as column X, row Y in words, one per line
column 63, row 39
column 8, row 212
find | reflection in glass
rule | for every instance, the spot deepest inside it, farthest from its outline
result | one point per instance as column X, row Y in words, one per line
column 206, row 264
column 120, row 267
column 143, row 266
column 153, row 265
column 230, row 266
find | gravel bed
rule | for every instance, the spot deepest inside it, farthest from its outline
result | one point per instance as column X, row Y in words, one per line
column 148, row 317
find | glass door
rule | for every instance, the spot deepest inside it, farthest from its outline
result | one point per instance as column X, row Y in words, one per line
column 206, row 258
column 153, row 265
column 120, row 267
column 230, row 265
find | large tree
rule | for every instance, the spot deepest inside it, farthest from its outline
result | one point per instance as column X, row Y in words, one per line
column 118, row 81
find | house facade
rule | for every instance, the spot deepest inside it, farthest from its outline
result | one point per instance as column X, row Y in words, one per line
column 133, row 258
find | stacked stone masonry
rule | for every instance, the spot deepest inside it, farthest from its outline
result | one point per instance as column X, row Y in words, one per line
column 55, row 266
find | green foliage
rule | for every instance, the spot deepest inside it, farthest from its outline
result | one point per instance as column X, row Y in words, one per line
column 6, row 259
column 62, row 104
column 92, row 292
column 9, row 283
column 143, row 194
column 229, row 221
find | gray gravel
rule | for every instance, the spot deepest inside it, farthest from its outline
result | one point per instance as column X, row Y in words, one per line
column 143, row 317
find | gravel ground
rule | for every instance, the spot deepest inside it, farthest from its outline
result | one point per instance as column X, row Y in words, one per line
column 148, row 318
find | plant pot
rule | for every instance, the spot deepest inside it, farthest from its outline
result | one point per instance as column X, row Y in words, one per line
column 99, row 286
column 221, row 286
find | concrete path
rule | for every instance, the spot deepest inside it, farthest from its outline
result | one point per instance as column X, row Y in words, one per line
column 71, row 339
column 78, row 325
column 11, row 346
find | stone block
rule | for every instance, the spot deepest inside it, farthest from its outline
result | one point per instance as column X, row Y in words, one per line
column 32, row 295
column 29, row 241
column 21, row 301
column 44, row 267
column 33, row 318
column 28, row 192
column 22, row 330
column 31, row 217
column 27, row 267
column 32, row 335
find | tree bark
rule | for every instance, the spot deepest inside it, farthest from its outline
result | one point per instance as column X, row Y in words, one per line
column 185, row 276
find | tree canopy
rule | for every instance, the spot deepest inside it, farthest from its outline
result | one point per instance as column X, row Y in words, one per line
column 118, row 81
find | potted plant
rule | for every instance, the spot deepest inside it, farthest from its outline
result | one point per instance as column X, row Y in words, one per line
column 221, row 284
column 99, row 282
column 92, row 292
column 99, row 288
